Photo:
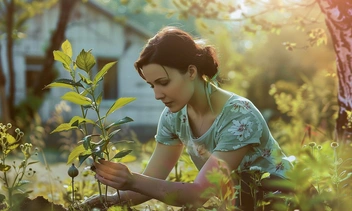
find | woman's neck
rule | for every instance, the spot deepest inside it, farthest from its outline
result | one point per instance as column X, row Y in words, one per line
column 199, row 104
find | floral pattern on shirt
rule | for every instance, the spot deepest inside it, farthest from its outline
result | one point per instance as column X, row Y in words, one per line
column 242, row 129
column 238, row 125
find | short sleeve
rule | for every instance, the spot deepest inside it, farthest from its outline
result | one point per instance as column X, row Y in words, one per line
column 239, row 126
column 165, row 133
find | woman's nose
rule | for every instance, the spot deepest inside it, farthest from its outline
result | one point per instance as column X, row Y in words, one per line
column 158, row 94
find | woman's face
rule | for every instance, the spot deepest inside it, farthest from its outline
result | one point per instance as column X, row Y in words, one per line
column 170, row 86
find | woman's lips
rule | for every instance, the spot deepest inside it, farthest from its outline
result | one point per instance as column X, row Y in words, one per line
column 168, row 104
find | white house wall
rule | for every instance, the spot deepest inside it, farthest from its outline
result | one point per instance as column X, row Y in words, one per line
column 89, row 29
column 145, row 108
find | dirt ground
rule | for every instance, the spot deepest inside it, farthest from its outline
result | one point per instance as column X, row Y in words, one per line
column 57, row 177
column 52, row 181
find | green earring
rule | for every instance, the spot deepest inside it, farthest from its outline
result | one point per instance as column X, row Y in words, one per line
column 209, row 84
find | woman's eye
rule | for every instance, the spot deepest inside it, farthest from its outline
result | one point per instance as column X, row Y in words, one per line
column 164, row 83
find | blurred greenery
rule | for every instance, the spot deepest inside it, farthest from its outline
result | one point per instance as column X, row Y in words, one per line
column 287, row 73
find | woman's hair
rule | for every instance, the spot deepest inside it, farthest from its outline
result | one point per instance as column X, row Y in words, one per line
column 177, row 49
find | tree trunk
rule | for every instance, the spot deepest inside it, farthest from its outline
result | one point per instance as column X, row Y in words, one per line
column 338, row 17
column 10, row 8
column 27, row 108
column 47, row 74
column 5, row 117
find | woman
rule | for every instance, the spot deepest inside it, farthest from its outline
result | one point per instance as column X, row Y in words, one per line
column 221, row 131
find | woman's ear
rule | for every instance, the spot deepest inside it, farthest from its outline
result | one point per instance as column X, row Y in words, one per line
column 192, row 71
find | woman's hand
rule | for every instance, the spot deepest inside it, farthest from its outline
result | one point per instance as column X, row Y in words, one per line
column 116, row 175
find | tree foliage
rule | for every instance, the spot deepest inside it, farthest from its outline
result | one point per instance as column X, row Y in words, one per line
column 314, row 18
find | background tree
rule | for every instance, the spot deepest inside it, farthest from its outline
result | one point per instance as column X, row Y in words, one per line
column 338, row 18
column 14, row 15
column 272, row 16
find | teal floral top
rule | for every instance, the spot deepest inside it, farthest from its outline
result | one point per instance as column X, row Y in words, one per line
column 239, row 124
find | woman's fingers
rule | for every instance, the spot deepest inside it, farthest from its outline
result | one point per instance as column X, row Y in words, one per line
column 107, row 172
column 117, row 182
column 112, row 174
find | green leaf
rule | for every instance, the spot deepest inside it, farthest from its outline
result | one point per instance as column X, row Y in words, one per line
column 64, row 59
column 113, row 133
column 10, row 139
column 76, row 152
column 99, row 151
column 63, row 127
column 86, row 141
column 265, row 175
column 99, row 98
column 122, row 153
column 64, row 83
column 82, row 158
column 4, row 168
column 120, row 122
column 22, row 182
column 69, row 82
column 119, row 103
column 20, row 196
column 85, row 61
column 11, row 143
column 59, row 85
column 76, row 98
column 67, row 48
column 102, row 72
column 73, row 124
column 85, row 79
column 77, row 120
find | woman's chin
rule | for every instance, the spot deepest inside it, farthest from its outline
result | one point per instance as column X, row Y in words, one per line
column 174, row 109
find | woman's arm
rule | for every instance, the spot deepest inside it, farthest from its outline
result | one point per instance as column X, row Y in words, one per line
column 154, row 185
column 162, row 161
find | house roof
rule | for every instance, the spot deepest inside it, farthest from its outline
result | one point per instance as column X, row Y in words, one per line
column 130, row 24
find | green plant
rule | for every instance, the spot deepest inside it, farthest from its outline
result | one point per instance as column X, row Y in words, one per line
column 14, row 181
column 224, row 197
column 97, row 133
column 184, row 170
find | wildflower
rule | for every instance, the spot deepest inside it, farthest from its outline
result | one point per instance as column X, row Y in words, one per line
column 319, row 147
column 334, row 145
column 312, row 144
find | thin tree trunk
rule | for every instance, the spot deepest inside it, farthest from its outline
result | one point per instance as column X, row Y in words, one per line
column 9, row 53
column 5, row 118
column 339, row 22
column 47, row 74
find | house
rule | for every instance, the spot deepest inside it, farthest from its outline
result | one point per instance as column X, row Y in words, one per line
column 91, row 27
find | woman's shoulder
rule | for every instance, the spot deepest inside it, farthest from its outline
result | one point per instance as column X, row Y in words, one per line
column 237, row 101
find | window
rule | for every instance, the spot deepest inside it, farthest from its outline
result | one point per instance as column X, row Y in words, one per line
column 110, row 85
column 33, row 68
